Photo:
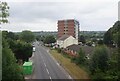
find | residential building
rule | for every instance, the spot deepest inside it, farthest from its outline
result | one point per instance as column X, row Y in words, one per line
column 66, row 40
column 68, row 27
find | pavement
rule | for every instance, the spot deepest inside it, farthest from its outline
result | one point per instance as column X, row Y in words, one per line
column 45, row 66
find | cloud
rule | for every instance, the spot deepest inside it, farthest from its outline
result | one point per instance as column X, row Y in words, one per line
column 41, row 16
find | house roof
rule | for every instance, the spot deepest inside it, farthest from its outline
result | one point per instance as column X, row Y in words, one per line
column 63, row 37
column 86, row 49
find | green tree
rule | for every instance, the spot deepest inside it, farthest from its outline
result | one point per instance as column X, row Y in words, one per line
column 27, row 36
column 99, row 60
column 108, row 40
column 21, row 50
column 100, row 42
column 10, row 69
column 81, row 57
column 82, row 39
column 4, row 12
column 49, row 39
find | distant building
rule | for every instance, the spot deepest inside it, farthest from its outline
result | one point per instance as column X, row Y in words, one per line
column 66, row 40
column 68, row 27
column 119, row 11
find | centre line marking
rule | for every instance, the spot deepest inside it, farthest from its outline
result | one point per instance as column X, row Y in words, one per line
column 50, row 78
column 47, row 71
column 45, row 64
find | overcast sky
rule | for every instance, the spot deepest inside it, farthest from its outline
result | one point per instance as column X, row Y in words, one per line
column 42, row 15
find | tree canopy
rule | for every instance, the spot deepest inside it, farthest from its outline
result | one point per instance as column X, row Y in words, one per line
column 27, row 36
column 49, row 39
column 4, row 12
column 112, row 35
column 10, row 69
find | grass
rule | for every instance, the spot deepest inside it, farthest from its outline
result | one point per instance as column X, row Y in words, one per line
column 75, row 71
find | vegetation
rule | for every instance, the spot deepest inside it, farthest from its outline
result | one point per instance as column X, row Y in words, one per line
column 4, row 12
column 75, row 71
column 111, row 36
column 49, row 39
column 82, row 39
column 81, row 58
column 10, row 69
column 27, row 36
column 103, row 66
column 22, row 50
column 99, row 61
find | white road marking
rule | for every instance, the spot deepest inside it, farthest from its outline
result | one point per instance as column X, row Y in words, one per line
column 58, row 64
column 47, row 71
column 50, row 78
column 69, row 77
column 45, row 64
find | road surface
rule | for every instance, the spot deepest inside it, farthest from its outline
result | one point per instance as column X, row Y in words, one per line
column 45, row 66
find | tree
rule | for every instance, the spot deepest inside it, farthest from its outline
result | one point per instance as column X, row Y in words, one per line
column 27, row 36
column 82, row 39
column 108, row 40
column 100, row 42
column 4, row 12
column 10, row 69
column 49, row 39
column 21, row 50
column 99, row 59
column 111, row 36
column 81, row 57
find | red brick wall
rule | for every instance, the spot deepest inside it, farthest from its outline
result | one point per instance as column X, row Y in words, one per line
column 61, row 27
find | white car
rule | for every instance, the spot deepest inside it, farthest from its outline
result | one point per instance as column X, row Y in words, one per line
column 33, row 49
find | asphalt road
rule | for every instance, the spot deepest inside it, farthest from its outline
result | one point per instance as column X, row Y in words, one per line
column 45, row 66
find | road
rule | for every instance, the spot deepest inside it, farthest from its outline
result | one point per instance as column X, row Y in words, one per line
column 45, row 66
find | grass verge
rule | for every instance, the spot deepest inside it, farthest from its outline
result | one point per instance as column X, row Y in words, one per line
column 75, row 71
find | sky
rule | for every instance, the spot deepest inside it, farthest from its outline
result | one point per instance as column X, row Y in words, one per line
column 42, row 15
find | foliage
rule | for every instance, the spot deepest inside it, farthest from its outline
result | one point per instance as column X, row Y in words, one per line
column 112, row 35
column 100, row 42
column 4, row 12
column 58, row 50
column 99, row 59
column 22, row 50
column 82, row 39
column 10, row 69
column 108, row 40
column 81, row 57
column 40, row 38
column 49, row 39
column 27, row 36
column 9, row 35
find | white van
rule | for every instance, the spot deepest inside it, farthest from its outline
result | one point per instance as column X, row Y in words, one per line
column 33, row 49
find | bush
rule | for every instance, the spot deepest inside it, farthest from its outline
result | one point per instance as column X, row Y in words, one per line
column 58, row 50
column 81, row 57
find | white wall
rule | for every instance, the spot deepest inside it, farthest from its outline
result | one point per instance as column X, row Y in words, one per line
column 69, row 41
column 60, row 43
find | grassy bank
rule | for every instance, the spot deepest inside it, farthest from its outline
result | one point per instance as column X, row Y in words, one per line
column 75, row 71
